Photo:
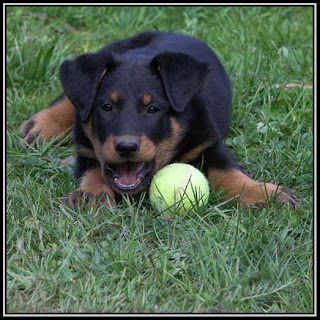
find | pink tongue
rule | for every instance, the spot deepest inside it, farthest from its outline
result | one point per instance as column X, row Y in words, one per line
column 128, row 174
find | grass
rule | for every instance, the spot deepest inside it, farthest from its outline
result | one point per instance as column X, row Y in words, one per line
column 129, row 259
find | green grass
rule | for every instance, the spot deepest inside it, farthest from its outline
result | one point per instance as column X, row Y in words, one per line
column 130, row 259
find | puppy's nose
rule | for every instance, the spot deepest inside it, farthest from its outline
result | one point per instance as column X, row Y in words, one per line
column 127, row 146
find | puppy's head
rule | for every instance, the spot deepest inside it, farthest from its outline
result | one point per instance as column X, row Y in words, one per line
column 130, row 107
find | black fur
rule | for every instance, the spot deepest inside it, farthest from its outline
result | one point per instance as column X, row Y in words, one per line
column 184, row 78
column 142, row 103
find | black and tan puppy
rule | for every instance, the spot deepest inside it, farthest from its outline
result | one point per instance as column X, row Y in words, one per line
column 139, row 104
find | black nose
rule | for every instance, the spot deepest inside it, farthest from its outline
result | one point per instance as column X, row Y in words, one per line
column 126, row 147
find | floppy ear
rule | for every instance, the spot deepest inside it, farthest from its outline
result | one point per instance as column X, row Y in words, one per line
column 80, row 79
column 182, row 77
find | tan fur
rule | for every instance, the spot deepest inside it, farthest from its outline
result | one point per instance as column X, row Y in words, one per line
column 166, row 148
column 87, row 127
column 194, row 153
column 86, row 152
column 236, row 183
column 114, row 96
column 51, row 122
column 93, row 185
column 145, row 154
column 162, row 152
column 146, row 99
column 147, row 149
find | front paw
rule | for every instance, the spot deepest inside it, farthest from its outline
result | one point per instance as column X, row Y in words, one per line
column 286, row 196
column 248, row 192
column 91, row 197
column 92, row 188
column 52, row 122
column 264, row 194
column 43, row 127
column 28, row 132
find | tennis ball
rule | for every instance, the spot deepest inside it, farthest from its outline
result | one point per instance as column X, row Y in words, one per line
column 179, row 188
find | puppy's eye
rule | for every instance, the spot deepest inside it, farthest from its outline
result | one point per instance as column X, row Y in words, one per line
column 106, row 107
column 152, row 109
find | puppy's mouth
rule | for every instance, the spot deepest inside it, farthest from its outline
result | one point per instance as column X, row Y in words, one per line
column 129, row 177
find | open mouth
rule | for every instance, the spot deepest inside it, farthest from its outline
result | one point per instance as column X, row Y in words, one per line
column 129, row 177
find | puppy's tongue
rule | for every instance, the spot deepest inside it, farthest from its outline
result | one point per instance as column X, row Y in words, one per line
column 128, row 174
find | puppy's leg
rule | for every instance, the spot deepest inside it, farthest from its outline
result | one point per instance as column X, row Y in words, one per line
column 224, row 172
column 57, row 119
column 92, row 188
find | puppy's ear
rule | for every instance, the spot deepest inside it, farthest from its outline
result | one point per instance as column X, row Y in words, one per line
column 80, row 79
column 182, row 77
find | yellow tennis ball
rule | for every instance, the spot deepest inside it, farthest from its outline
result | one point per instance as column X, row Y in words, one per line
column 179, row 188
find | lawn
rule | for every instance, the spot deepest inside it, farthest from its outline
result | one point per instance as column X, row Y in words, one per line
column 130, row 259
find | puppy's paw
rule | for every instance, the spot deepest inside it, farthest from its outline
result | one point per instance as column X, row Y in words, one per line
column 28, row 133
column 91, row 197
column 92, row 188
column 264, row 194
column 44, row 127
column 248, row 192
column 287, row 197
column 54, row 121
